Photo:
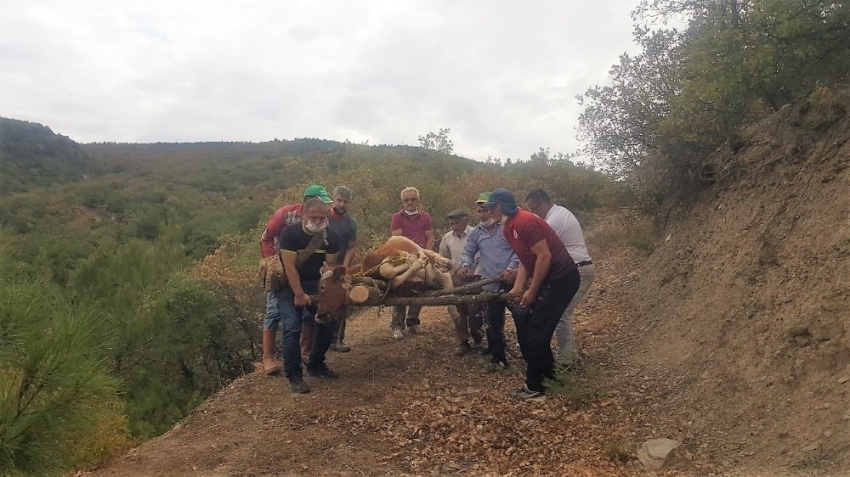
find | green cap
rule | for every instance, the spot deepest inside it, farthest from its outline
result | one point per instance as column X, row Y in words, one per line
column 318, row 191
column 483, row 197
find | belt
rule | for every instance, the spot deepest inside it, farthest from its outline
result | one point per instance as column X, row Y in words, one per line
column 585, row 263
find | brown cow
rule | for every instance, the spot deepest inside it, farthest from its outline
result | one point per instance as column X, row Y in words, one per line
column 398, row 261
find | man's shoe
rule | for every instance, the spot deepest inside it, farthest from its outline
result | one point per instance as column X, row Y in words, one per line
column 340, row 347
column 496, row 365
column 297, row 385
column 462, row 349
column 398, row 334
column 321, row 371
column 525, row 394
column 413, row 329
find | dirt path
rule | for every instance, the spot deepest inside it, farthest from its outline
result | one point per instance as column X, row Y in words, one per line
column 403, row 407
column 409, row 407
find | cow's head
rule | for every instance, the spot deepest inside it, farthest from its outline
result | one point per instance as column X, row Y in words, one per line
column 333, row 296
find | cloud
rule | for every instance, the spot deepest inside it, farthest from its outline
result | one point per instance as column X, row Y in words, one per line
column 503, row 75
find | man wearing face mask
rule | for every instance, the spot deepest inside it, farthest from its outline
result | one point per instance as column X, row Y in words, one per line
column 302, row 281
column 546, row 281
column 286, row 215
column 415, row 224
column 345, row 227
column 495, row 257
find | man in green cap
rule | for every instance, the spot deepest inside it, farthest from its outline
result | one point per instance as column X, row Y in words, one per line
column 286, row 215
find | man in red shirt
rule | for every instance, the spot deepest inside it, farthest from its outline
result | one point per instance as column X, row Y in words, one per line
column 415, row 224
column 546, row 281
column 286, row 215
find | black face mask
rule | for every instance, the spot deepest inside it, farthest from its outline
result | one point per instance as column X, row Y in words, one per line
column 340, row 212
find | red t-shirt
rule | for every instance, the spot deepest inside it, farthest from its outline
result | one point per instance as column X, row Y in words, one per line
column 412, row 226
column 286, row 215
column 526, row 229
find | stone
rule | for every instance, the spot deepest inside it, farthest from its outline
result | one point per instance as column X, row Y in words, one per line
column 654, row 452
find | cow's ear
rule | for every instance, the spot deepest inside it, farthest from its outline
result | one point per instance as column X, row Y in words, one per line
column 339, row 273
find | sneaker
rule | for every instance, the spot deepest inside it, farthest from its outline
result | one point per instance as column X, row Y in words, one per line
column 321, row 371
column 524, row 394
column 398, row 334
column 462, row 349
column 496, row 365
column 341, row 347
column 297, row 385
column 413, row 329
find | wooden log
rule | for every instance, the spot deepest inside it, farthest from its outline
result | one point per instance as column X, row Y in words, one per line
column 361, row 294
column 431, row 300
column 475, row 286
column 444, row 300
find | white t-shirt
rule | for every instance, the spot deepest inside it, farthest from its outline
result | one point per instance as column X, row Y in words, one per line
column 569, row 231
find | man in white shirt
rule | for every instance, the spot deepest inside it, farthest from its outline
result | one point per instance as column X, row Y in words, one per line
column 569, row 231
column 468, row 319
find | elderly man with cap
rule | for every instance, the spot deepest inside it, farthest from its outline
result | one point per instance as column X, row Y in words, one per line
column 467, row 318
column 546, row 281
column 286, row 215
column 495, row 258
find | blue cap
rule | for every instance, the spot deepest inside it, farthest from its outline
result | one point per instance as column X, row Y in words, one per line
column 503, row 197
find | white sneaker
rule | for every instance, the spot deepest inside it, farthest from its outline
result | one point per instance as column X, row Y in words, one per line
column 398, row 334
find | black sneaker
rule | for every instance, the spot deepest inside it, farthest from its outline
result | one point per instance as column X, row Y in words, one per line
column 321, row 371
column 297, row 385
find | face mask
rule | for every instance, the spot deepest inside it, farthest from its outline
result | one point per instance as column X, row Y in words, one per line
column 489, row 223
column 314, row 228
column 411, row 212
column 504, row 220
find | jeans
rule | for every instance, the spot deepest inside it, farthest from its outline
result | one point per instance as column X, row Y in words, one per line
column 272, row 319
column 494, row 316
column 291, row 318
column 564, row 330
column 536, row 327
column 399, row 312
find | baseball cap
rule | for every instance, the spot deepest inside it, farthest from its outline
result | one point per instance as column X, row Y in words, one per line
column 457, row 214
column 503, row 197
column 318, row 191
column 483, row 197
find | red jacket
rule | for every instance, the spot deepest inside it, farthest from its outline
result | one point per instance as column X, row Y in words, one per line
column 288, row 214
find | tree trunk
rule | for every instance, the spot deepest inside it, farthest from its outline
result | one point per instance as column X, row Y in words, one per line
column 464, row 288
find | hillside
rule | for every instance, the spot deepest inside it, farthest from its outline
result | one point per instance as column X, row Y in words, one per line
column 741, row 316
column 33, row 155
column 731, row 336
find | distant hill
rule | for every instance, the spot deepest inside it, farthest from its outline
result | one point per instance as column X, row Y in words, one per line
column 33, row 155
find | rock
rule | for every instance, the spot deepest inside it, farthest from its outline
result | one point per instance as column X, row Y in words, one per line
column 843, row 380
column 812, row 447
column 654, row 452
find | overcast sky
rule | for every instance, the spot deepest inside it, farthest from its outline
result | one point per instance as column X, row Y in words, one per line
column 503, row 75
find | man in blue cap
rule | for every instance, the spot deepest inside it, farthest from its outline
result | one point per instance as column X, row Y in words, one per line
column 546, row 281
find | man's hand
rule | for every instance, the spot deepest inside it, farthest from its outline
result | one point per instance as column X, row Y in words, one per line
column 509, row 275
column 516, row 292
column 302, row 299
column 528, row 298
column 463, row 272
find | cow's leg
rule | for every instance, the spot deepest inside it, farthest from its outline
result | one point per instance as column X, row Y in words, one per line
column 414, row 267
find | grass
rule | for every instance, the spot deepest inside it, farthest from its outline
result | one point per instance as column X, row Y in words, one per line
column 578, row 388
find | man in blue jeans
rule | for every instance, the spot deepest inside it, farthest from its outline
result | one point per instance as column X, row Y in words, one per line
column 302, row 281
